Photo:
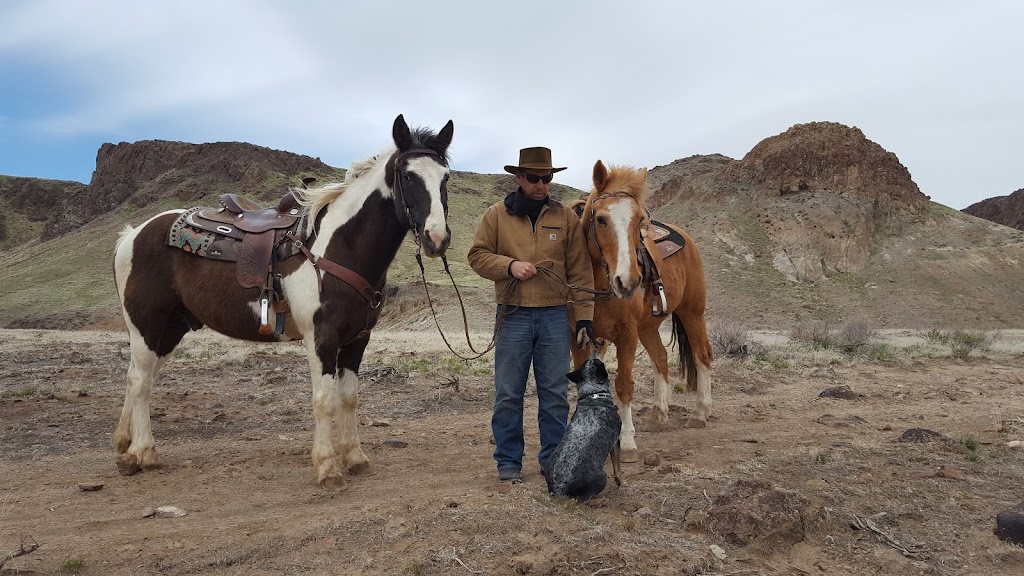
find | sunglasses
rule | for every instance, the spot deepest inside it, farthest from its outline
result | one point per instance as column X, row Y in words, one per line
column 533, row 178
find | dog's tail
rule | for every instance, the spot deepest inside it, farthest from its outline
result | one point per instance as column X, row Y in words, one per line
column 687, row 363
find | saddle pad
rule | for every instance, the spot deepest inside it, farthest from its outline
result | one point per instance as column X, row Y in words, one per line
column 195, row 239
column 666, row 239
column 189, row 239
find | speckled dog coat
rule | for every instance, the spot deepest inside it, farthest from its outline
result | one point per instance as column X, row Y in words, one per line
column 576, row 468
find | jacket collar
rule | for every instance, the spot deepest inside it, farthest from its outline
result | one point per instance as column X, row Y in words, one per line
column 513, row 202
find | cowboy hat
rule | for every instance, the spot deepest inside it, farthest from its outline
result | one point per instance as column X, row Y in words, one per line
column 535, row 158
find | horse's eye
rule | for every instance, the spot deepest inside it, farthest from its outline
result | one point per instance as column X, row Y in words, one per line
column 602, row 222
column 406, row 176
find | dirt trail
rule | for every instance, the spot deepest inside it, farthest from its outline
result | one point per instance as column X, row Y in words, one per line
column 233, row 424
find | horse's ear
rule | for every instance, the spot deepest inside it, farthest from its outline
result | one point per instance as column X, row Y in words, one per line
column 600, row 175
column 400, row 132
column 444, row 137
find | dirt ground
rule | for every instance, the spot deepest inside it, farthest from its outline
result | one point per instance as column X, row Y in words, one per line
column 233, row 423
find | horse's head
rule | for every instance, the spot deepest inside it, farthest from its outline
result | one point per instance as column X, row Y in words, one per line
column 612, row 221
column 418, row 175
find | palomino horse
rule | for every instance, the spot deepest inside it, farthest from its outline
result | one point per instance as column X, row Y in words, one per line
column 615, row 221
column 357, row 225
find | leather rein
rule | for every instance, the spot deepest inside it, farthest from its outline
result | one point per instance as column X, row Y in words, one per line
column 400, row 191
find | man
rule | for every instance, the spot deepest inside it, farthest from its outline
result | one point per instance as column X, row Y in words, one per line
column 517, row 239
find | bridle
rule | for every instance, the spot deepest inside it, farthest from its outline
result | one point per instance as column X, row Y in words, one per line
column 400, row 193
column 591, row 231
column 400, row 189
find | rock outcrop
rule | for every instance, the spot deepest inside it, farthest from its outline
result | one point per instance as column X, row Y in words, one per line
column 819, row 192
column 142, row 172
column 1005, row 210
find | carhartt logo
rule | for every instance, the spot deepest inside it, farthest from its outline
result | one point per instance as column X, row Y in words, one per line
column 552, row 236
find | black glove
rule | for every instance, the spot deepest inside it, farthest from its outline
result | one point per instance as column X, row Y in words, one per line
column 584, row 333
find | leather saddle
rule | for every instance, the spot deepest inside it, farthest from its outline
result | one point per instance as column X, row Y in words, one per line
column 665, row 241
column 256, row 238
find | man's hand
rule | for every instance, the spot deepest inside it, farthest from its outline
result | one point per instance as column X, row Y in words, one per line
column 522, row 270
column 584, row 333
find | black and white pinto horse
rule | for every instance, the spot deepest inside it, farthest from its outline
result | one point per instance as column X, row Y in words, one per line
column 358, row 224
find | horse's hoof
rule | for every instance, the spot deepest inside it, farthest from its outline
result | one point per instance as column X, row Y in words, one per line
column 334, row 483
column 654, row 425
column 693, row 422
column 629, row 455
column 128, row 465
column 362, row 469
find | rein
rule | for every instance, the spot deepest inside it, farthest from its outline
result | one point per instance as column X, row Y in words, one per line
column 462, row 306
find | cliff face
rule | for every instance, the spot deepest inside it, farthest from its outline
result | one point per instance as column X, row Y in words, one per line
column 816, row 195
column 143, row 172
column 1005, row 210
column 835, row 159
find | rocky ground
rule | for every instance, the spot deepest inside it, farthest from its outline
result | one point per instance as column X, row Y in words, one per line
column 782, row 481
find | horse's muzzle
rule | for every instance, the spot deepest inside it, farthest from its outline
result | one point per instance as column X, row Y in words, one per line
column 434, row 245
column 623, row 290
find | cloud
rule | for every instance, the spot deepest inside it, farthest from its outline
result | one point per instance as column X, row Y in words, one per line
column 643, row 83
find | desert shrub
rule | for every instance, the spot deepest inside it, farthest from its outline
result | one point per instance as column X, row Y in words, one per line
column 963, row 342
column 817, row 334
column 729, row 338
column 880, row 352
column 935, row 336
column 854, row 334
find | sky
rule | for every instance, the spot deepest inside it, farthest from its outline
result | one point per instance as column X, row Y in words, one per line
column 938, row 83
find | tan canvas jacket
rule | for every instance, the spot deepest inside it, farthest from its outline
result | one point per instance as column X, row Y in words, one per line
column 557, row 242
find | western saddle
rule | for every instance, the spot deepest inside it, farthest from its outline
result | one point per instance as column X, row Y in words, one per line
column 256, row 238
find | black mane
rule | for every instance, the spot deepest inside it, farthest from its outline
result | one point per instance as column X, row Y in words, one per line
column 426, row 138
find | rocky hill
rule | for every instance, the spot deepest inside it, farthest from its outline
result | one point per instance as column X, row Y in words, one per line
column 1005, row 210
column 816, row 223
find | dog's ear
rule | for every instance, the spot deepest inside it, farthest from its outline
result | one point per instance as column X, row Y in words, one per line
column 576, row 376
column 601, row 372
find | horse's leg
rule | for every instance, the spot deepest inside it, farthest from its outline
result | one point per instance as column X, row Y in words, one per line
column 651, row 340
column 625, row 352
column 323, row 370
column 700, row 346
column 352, row 455
column 133, row 438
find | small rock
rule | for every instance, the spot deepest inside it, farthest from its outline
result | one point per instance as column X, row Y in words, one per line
column 951, row 473
column 719, row 552
column 841, row 421
column 921, row 436
column 396, row 527
column 841, row 392
column 1010, row 524
column 652, row 460
column 78, row 358
column 645, row 511
column 90, row 486
column 670, row 469
column 395, row 443
column 163, row 512
column 1015, row 444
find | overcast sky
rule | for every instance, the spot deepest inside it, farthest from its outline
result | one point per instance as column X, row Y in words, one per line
column 939, row 83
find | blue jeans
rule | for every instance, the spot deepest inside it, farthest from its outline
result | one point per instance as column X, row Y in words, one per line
column 540, row 336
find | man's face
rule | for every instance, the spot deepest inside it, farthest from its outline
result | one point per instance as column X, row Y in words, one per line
column 534, row 190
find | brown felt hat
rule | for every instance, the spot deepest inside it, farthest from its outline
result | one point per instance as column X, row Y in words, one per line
column 536, row 158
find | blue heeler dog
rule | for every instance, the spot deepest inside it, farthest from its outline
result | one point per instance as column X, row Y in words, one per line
column 576, row 468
